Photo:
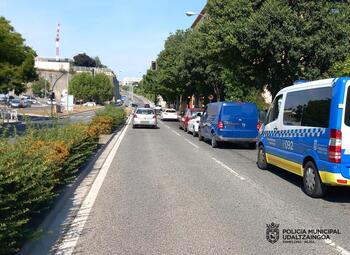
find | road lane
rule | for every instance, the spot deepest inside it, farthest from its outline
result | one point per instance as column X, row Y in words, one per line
column 164, row 196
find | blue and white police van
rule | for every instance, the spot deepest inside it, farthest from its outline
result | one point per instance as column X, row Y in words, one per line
column 307, row 132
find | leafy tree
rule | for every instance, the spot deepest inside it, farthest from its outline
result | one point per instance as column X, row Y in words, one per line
column 84, row 60
column 16, row 60
column 87, row 88
column 103, row 88
column 99, row 63
column 39, row 86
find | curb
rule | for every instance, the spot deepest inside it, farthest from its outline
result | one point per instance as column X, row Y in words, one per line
column 64, row 210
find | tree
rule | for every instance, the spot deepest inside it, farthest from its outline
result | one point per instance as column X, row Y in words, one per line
column 99, row 63
column 274, row 42
column 88, row 88
column 84, row 60
column 39, row 86
column 16, row 60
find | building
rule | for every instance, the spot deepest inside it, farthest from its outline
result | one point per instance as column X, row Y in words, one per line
column 127, row 81
column 59, row 72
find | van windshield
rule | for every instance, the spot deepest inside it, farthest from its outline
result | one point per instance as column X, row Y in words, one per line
column 239, row 111
column 347, row 109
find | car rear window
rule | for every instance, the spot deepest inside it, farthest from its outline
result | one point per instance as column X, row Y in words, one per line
column 239, row 110
column 145, row 111
column 347, row 109
column 195, row 113
column 171, row 111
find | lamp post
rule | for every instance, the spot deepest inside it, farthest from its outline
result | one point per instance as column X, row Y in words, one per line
column 191, row 13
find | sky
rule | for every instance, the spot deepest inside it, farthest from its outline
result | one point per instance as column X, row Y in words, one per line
column 126, row 34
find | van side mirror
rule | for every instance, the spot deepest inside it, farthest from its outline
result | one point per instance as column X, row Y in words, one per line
column 199, row 114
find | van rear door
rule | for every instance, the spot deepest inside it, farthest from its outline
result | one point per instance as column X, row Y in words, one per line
column 240, row 120
column 346, row 131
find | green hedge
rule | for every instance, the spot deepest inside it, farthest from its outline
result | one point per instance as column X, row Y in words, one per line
column 32, row 168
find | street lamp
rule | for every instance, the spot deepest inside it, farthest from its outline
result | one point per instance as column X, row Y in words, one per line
column 191, row 13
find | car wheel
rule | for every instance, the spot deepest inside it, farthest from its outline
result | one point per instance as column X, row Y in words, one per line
column 133, row 126
column 185, row 128
column 313, row 185
column 180, row 127
column 194, row 133
column 262, row 162
column 200, row 137
column 214, row 143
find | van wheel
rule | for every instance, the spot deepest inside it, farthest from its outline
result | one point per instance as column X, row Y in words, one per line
column 194, row 133
column 262, row 162
column 214, row 143
column 200, row 137
column 313, row 185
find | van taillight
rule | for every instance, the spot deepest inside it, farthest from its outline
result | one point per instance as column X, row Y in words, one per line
column 220, row 124
column 334, row 146
column 135, row 116
column 154, row 116
column 258, row 126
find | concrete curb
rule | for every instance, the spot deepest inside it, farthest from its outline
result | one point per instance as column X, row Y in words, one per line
column 65, row 208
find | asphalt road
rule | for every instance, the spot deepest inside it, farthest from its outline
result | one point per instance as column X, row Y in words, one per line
column 168, row 193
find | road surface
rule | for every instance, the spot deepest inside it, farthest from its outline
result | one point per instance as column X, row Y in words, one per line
column 168, row 193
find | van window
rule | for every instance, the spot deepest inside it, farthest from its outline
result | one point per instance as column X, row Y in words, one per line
column 239, row 110
column 274, row 110
column 310, row 108
column 347, row 109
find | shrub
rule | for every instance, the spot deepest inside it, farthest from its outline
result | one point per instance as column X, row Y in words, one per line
column 34, row 165
column 102, row 124
column 117, row 114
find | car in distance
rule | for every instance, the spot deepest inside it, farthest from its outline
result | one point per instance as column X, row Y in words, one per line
column 15, row 103
column 189, row 114
column 233, row 122
column 51, row 102
column 193, row 124
column 147, row 106
column 307, row 132
column 169, row 114
column 19, row 103
column 89, row 104
column 144, row 117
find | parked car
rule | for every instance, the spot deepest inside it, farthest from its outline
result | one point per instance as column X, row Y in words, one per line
column 147, row 106
column 193, row 124
column 15, row 103
column 144, row 117
column 134, row 105
column 229, row 122
column 189, row 114
column 19, row 103
column 169, row 114
column 307, row 132
column 89, row 104
column 51, row 102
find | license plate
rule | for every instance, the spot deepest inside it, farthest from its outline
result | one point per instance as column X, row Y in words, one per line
column 144, row 122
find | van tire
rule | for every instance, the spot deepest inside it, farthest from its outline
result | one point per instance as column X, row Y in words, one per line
column 312, row 183
column 214, row 143
column 262, row 161
column 200, row 137
column 194, row 133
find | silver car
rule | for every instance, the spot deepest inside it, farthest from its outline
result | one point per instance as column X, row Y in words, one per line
column 144, row 117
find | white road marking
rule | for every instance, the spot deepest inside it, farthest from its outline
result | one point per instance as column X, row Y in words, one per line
column 175, row 132
column 338, row 248
column 70, row 239
column 194, row 145
column 229, row 169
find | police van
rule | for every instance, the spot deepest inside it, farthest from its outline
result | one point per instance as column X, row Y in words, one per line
column 307, row 132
